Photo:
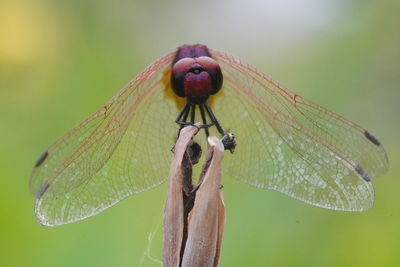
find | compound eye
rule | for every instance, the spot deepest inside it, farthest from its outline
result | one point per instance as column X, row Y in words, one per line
column 183, row 65
column 178, row 73
column 213, row 69
column 208, row 63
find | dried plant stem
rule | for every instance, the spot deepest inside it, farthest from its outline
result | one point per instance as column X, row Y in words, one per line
column 194, row 221
column 207, row 218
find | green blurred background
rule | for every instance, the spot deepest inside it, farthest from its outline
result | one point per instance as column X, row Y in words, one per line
column 61, row 60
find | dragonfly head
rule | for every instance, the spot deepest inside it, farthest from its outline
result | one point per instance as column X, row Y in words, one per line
column 196, row 77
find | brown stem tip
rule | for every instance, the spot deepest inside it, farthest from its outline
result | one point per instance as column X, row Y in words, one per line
column 194, row 222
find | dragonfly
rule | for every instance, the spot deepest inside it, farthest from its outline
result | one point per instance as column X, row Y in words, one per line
column 284, row 141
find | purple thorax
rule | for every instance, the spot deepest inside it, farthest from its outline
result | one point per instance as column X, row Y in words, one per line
column 192, row 51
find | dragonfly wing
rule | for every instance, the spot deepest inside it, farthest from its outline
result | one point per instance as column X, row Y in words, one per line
column 294, row 146
column 115, row 153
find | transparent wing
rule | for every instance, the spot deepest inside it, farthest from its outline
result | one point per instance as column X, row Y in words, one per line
column 120, row 150
column 294, row 146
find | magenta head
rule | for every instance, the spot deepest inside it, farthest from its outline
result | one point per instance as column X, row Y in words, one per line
column 195, row 74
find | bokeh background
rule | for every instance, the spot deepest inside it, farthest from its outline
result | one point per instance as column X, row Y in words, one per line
column 61, row 60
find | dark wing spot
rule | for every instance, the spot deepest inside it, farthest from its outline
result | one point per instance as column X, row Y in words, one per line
column 372, row 138
column 363, row 173
column 41, row 159
column 43, row 189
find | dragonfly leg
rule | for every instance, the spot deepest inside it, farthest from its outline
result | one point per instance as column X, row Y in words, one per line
column 183, row 113
column 190, row 108
column 213, row 119
column 182, row 117
column 192, row 113
column 203, row 117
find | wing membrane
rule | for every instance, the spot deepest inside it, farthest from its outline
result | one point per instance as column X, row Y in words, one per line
column 294, row 146
column 111, row 155
column 285, row 143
